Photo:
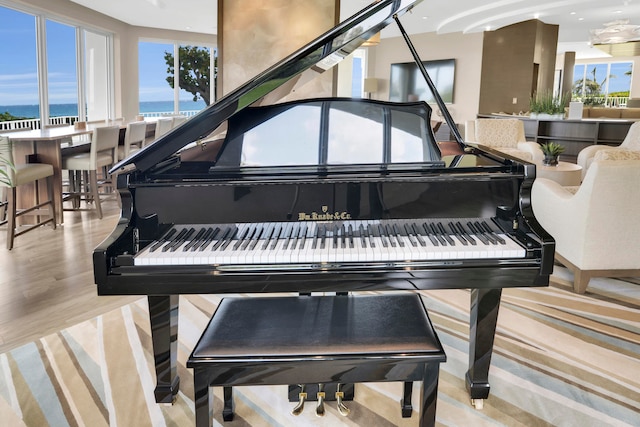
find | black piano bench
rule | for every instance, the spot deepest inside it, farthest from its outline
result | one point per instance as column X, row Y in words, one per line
column 318, row 340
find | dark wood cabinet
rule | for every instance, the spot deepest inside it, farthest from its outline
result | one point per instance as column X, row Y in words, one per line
column 574, row 135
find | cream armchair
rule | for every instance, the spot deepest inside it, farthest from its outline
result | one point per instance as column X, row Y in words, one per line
column 596, row 229
column 630, row 142
column 504, row 135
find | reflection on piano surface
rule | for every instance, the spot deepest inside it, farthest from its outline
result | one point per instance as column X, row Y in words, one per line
column 321, row 195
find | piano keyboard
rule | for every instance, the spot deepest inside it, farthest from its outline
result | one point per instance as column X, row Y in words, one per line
column 281, row 243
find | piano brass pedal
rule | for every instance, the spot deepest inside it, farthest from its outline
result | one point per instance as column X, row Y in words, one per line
column 320, row 405
column 342, row 409
column 302, row 396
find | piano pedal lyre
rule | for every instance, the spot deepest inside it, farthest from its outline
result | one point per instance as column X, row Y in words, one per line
column 302, row 396
column 320, row 405
column 342, row 409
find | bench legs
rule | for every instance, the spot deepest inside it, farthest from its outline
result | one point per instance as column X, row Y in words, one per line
column 428, row 398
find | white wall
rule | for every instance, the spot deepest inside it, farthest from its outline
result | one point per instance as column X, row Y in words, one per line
column 466, row 49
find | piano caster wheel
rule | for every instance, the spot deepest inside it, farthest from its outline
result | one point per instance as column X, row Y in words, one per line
column 320, row 405
column 342, row 409
column 478, row 404
column 302, row 396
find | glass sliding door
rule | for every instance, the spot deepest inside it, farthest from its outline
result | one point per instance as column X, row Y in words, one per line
column 155, row 91
column 62, row 76
column 97, row 82
column 19, row 95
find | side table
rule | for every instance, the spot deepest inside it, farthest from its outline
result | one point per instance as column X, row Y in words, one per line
column 564, row 173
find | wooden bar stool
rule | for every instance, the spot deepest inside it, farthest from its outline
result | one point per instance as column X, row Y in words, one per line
column 12, row 176
column 324, row 341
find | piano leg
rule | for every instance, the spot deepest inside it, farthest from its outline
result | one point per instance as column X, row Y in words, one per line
column 483, row 319
column 163, row 314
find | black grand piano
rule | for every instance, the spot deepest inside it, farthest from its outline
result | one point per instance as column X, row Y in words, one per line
column 320, row 195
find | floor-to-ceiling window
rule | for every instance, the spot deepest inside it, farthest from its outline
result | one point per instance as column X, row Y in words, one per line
column 162, row 65
column 19, row 98
column 62, row 76
column 606, row 83
column 52, row 71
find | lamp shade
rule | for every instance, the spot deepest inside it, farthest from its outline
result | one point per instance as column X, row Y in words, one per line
column 370, row 84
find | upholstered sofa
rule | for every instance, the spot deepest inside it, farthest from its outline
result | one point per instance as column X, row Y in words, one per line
column 610, row 113
column 596, row 227
column 631, row 143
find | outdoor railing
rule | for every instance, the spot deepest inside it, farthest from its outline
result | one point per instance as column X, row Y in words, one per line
column 27, row 124
column 605, row 101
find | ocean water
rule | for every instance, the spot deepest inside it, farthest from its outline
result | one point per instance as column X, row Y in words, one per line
column 32, row 111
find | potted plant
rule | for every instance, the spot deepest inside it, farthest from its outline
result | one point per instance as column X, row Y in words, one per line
column 547, row 106
column 551, row 152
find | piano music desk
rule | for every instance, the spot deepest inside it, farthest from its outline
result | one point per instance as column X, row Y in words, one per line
column 342, row 339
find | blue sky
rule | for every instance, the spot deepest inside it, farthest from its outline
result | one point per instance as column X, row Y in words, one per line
column 18, row 69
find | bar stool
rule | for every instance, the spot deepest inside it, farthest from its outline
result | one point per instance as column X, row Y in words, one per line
column 12, row 176
column 104, row 143
column 133, row 139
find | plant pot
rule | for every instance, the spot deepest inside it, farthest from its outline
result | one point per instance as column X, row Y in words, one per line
column 550, row 160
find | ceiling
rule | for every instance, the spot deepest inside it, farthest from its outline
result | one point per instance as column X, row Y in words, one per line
column 574, row 17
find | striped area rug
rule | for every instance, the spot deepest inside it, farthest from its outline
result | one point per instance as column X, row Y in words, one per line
column 560, row 359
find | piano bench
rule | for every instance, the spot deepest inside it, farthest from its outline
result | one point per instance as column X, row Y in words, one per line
column 318, row 340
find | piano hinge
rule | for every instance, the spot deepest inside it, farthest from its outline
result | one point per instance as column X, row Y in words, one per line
column 136, row 240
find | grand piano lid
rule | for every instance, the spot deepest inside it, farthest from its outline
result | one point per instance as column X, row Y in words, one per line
column 272, row 84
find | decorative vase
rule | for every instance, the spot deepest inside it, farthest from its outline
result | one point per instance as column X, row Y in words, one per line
column 550, row 160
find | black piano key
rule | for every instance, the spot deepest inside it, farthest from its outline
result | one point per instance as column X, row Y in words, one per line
column 485, row 234
column 478, row 233
column 445, row 235
column 185, row 237
column 418, row 234
column 222, row 239
column 257, row 235
column 410, row 235
column 492, row 233
column 303, row 236
column 371, row 235
column 383, row 238
column 343, row 237
column 316, row 235
column 466, row 235
column 209, row 239
column 335, row 236
column 267, row 236
column 293, row 238
column 457, row 235
column 430, row 234
column 174, row 240
column 323, row 237
column 390, row 235
column 195, row 240
column 246, row 238
column 363, row 238
column 398, row 235
column 163, row 240
column 242, row 235
column 233, row 232
column 275, row 236
column 350, row 236
column 288, row 231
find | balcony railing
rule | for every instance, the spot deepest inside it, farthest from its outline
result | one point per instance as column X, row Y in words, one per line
column 604, row 101
column 28, row 124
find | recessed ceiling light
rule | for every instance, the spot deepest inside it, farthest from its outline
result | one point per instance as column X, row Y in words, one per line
column 617, row 11
column 425, row 17
column 572, row 13
column 536, row 15
column 488, row 28
column 580, row 19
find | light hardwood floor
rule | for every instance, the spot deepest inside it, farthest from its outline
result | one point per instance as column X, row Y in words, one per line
column 46, row 280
